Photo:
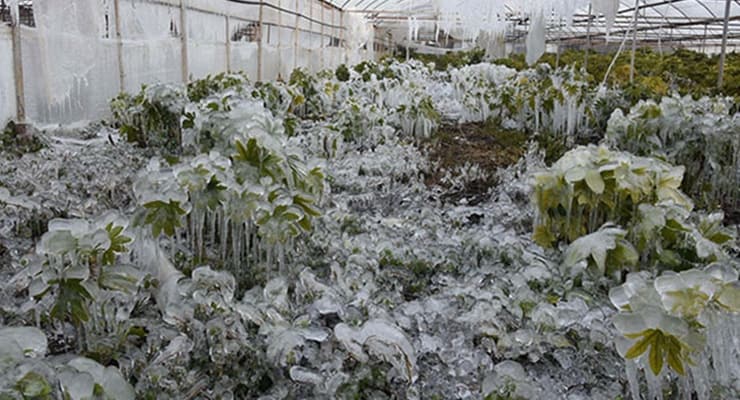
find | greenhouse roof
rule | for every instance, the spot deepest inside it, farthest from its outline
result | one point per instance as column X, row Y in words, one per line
column 666, row 20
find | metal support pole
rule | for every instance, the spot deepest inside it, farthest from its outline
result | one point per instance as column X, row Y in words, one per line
column 20, row 98
column 634, row 42
column 560, row 31
column 228, row 43
column 721, row 75
column 588, row 38
column 119, row 45
column 280, row 41
column 342, row 41
column 295, row 38
column 184, row 41
column 323, row 37
column 311, row 33
column 259, row 45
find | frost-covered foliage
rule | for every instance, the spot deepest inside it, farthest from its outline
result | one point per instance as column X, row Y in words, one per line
column 702, row 135
column 240, row 269
column 591, row 186
column 247, row 185
column 25, row 372
column 152, row 117
column 681, row 324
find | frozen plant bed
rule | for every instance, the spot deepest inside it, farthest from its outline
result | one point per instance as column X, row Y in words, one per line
column 291, row 248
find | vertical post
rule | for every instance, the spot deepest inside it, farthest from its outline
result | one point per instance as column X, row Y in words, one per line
column 228, row 43
column 119, row 45
column 20, row 97
column 721, row 75
column 323, row 37
column 588, row 39
column 704, row 39
column 634, row 41
column 259, row 44
column 184, row 41
column 295, row 38
column 311, row 36
column 280, row 40
column 342, row 39
column 560, row 34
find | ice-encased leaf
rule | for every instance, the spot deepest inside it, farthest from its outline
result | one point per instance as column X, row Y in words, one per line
column 305, row 375
column 76, row 385
column 595, row 182
column 116, row 386
column 383, row 340
column 33, row 385
column 56, row 243
column 596, row 246
column 31, row 340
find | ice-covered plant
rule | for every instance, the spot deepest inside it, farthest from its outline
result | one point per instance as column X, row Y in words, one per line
column 250, row 188
column 412, row 108
column 699, row 134
column 605, row 251
column 78, row 265
column 210, row 338
column 151, row 118
column 357, row 118
column 25, row 372
column 591, row 186
column 677, row 322
column 201, row 88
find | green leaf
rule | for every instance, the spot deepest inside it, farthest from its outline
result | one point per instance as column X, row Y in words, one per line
column 642, row 345
column 655, row 358
column 71, row 301
column 118, row 279
column 673, row 350
column 163, row 217
column 117, row 243
column 33, row 385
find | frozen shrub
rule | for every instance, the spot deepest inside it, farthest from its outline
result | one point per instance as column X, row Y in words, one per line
column 25, row 372
column 151, row 118
column 210, row 85
column 591, row 186
column 698, row 134
column 681, row 322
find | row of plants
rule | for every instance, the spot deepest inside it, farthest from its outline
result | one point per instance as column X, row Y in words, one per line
column 238, row 190
column 656, row 74
column 614, row 213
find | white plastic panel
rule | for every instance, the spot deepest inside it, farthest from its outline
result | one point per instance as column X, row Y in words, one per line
column 70, row 72
column 7, row 84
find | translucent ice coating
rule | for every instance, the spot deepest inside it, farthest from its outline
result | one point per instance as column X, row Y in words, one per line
column 536, row 38
column 471, row 19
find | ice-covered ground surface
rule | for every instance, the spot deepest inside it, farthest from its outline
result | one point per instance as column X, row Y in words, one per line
column 396, row 292
column 80, row 172
column 475, row 299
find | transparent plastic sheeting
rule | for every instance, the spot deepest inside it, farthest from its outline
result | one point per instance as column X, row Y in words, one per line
column 7, row 86
column 70, row 59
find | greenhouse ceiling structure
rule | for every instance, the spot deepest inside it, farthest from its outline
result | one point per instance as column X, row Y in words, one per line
column 689, row 22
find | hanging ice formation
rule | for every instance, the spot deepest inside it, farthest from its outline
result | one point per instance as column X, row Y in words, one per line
column 484, row 21
column 536, row 38
column 608, row 8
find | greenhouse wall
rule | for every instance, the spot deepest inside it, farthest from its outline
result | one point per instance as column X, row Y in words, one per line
column 7, row 85
column 78, row 55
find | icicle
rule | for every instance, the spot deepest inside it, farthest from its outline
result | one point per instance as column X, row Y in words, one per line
column 700, row 377
column 633, row 379
column 224, row 225
column 535, row 40
column 654, row 385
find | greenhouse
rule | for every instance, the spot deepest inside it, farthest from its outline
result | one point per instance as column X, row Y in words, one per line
column 370, row 199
